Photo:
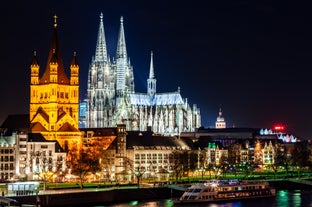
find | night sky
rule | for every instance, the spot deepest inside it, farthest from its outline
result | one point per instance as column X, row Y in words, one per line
column 252, row 58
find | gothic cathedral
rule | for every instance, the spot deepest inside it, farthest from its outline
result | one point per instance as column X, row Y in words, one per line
column 54, row 98
column 112, row 100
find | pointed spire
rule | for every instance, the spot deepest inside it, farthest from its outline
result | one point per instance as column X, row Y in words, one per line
column 55, row 56
column 121, row 46
column 74, row 60
column 101, row 49
column 220, row 112
column 151, row 81
column 151, row 72
column 35, row 59
column 53, row 60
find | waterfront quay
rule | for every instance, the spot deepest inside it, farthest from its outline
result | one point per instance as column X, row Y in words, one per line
column 95, row 196
column 114, row 194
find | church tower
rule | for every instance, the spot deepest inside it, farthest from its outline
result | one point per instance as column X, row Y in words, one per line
column 124, row 71
column 101, row 85
column 54, row 98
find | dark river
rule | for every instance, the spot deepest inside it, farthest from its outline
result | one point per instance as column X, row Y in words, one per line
column 284, row 198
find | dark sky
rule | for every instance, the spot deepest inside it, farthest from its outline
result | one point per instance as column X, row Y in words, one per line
column 252, row 58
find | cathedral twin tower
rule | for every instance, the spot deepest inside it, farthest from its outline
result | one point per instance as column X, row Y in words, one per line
column 111, row 97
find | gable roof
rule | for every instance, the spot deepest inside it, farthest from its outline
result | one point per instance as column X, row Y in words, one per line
column 37, row 127
column 67, row 128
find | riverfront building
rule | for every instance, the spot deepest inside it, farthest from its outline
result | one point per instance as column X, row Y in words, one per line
column 25, row 155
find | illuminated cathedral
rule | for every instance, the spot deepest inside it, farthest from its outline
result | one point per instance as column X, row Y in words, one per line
column 111, row 97
column 54, row 98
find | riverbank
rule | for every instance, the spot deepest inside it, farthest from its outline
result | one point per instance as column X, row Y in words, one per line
column 96, row 196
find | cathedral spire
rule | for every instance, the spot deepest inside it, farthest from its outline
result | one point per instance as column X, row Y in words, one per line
column 121, row 61
column 101, row 49
column 121, row 47
column 151, row 72
column 151, row 81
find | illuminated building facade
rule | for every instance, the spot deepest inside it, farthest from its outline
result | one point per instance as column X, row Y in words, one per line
column 54, row 98
column 28, row 156
column 112, row 98
column 134, row 151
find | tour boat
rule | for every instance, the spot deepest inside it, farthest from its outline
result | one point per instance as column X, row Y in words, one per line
column 225, row 190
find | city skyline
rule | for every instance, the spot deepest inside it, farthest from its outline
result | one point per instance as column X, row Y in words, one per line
column 249, row 59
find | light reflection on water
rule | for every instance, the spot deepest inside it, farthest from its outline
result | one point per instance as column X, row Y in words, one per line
column 284, row 198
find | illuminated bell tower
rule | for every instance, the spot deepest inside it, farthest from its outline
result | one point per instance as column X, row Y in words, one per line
column 54, row 98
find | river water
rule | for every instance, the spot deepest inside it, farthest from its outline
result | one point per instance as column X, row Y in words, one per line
column 284, row 198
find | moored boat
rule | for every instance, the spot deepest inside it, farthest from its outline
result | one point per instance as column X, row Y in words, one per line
column 225, row 190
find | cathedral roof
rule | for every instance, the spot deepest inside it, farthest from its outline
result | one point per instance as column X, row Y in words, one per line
column 161, row 99
column 55, row 56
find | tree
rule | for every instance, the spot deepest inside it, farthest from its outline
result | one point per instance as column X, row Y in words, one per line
column 201, row 162
column 137, row 171
column 84, row 162
column 279, row 159
column 43, row 167
column 300, row 156
column 178, row 161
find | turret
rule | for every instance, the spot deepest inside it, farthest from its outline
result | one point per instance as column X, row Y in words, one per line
column 34, row 70
column 53, row 68
column 74, row 71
